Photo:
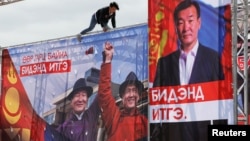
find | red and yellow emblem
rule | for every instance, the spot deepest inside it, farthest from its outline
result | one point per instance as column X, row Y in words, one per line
column 16, row 114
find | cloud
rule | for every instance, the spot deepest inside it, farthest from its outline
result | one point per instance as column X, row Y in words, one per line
column 38, row 20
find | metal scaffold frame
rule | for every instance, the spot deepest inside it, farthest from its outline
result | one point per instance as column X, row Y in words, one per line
column 5, row 2
column 240, row 39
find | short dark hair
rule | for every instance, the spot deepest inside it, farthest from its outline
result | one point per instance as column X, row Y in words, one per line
column 185, row 4
column 114, row 4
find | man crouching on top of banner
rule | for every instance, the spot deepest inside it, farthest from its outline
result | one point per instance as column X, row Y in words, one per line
column 128, row 123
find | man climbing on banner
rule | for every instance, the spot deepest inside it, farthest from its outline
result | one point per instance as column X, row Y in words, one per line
column 102, row 17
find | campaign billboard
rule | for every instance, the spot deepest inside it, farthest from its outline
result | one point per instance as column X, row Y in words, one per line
column 40, row 80
column 190, row 68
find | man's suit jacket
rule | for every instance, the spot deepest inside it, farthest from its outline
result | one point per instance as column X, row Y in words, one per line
column 207, row 67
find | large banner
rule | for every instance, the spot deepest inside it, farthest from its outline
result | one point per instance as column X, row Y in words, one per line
column 43, row 82
column 190, row 68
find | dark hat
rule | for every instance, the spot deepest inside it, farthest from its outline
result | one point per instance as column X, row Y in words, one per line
column 80, row 84
column 131, row 79
column 114, row 4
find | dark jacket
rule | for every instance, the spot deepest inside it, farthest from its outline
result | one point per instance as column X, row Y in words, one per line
column 207, row 67
column 103, row 17
column 51, row 134
column 85, row 129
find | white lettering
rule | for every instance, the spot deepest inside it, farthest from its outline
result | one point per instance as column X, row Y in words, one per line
column 176, row 96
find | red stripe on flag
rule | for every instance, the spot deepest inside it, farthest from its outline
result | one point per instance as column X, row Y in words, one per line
column 18, row 119
column 162, row 36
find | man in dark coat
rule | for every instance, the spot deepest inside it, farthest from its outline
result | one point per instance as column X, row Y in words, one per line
column 191, row 63
column 82, row 124
column 102, row 17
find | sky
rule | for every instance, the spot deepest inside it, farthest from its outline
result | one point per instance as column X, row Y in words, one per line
column 31, row 21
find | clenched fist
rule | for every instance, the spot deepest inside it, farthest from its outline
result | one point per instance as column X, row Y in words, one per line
column 107, row 54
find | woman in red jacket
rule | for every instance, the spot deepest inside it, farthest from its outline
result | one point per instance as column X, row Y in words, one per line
column 127, row 124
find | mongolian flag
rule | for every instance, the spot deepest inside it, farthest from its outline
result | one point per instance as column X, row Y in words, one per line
column 162, row 36
column 18, row 119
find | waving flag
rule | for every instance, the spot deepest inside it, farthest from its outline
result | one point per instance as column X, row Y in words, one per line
column 162, row 37
column 18, row 119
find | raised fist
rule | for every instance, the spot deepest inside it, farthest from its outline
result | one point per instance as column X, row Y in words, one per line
column 107, row 54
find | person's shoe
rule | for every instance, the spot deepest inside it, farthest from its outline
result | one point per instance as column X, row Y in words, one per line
column 79, row 37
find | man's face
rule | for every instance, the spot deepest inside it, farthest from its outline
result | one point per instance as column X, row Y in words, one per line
column 130, row 96
column 188, row 25
column 79, row 102
column 112, row 9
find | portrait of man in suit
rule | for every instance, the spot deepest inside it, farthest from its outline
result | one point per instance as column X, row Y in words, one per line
column 193, row 62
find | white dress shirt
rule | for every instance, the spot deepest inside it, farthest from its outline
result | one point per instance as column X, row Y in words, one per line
column 186, row 62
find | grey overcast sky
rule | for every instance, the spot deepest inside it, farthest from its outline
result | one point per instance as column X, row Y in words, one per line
column 38, row 20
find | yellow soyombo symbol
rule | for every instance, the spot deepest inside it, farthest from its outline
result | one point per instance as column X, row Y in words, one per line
column 12, row 104
column 11, row 110
column 11, row 75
